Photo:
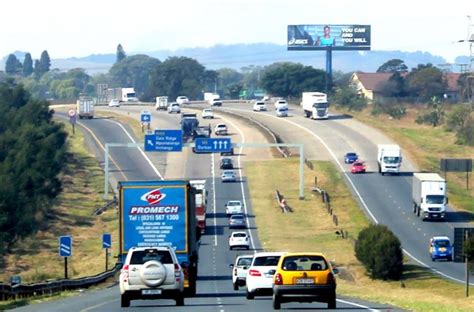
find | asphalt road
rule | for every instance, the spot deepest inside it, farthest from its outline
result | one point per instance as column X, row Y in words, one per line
column 214, row 291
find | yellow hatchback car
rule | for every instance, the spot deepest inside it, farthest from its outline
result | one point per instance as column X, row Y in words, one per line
column 304, row 277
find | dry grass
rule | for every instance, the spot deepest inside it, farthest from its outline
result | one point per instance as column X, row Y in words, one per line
column 310, row 227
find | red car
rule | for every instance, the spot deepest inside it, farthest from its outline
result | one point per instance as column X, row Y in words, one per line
column 358, row 167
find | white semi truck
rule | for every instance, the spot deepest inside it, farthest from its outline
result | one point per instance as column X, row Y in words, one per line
column 210, row 97
column 161, row 103
column 389, row 158
column 429, row 194
column 85, row 107
column 122, row 94
column 315, row 105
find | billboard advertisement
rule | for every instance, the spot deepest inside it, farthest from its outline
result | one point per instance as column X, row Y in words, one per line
column 324, row 37
column 153, row 214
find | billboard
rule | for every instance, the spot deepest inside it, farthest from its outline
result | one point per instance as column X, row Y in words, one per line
column 324, row 37
column 154, row 213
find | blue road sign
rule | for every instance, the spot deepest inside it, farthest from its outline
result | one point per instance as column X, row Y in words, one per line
column 106, row 240
column 164, row 141
column 212, row 145
column 145, row 117
column 65, row 246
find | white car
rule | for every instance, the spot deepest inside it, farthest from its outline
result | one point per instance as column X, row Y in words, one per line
column 233, row 207
column 239, row 270
column 228, row 176
column 114, row 103
column 259, row 278
column 281, row 112
column 239, row 239
column 220, row 129
column 281, row 103
column 216, row 102
column 207, row 113
column 174, row 108
column 259, row 106
column 151, row 273
column 182, row 100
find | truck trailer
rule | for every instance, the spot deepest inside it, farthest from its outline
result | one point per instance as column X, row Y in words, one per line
column 85, row 107
column 161, row 103
column 122, row 94
column 161, row 213
column 315, row 105
column 389, row 158
column 210, row 97
column 201, row 203
column 429, row 194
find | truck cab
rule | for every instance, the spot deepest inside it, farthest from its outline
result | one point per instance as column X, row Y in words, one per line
column 389, row 158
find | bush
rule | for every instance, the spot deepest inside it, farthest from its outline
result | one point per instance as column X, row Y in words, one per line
column 380, row 252
column 393, row 109
column 465, row 134
column 348, row 98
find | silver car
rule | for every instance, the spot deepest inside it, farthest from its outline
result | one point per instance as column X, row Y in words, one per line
column 237, row 221
column 228, row 176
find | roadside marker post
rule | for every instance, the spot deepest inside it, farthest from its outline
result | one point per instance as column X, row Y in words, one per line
column 106, row 244
column 65, row 250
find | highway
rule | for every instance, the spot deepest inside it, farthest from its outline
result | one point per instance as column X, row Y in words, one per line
column 215, row 291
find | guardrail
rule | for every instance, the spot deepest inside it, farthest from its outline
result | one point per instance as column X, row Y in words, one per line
column 285, row 208
column 8, row 292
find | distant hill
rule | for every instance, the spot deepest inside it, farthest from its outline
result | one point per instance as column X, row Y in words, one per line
column 237, row 56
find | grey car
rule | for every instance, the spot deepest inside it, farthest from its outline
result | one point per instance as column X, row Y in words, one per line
column 237, row 221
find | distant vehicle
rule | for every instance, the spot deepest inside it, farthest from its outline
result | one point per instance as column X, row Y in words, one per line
column 281, row 104
column 237, row 221
column 122, row 94
column 216, row 102
column 151, row 273
column 282, row 112
column 259, row 277
column 259, row 106
column 228, row 176
column 202, row 132
column 114, row 103
column 234, row 207
column 189, row 124
column 207, row 113
column 350, row 157
column 441, row 248
column 220, row 129
column 389, row 158
column 209, row 97
column 85, row 107
column 429, row 195
column 161, row 103
column 174, row 108
column 239, row 240
column 182, row 100
column 315, row 105
column 226, row 163
column 358, row 167
column 304, row 277
column 239, row 270
column 229, row 153
column 200, row 200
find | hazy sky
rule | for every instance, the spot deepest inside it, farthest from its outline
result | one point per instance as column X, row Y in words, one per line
column 78, row 28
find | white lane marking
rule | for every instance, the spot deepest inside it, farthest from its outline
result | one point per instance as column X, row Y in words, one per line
column 241, row 182
column 141, row 151
column 356, row 304
column 213, row 171
column 97, row 305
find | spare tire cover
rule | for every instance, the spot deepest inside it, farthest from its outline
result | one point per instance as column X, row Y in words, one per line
column 153, row 273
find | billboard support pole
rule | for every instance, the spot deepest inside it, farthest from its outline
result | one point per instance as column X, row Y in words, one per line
column 328, row 68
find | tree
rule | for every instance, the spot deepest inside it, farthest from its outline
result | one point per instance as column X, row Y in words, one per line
column 458, row 117
column 12, row 65
column 425, row 82
column 44, row 63
column 27, row 65
column 395, row 86
column 37, row 70
column 230, row 83
column 380, row 252
column 393, row 66
column 120, row 54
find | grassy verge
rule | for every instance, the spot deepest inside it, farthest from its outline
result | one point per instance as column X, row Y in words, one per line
column 426, row 145
column 310, row 227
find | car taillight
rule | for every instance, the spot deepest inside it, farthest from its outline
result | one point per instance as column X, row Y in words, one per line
column 125, row 272
column 177, row 272
column 330, row 279
column 235, row 271
column 255, row 273
column 278, row 279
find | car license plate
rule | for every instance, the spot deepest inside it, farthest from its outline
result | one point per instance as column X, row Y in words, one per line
column 151, row 291
column 435, row 215
column 304, row 281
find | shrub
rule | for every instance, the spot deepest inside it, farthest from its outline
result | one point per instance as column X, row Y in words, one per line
column 380, row 252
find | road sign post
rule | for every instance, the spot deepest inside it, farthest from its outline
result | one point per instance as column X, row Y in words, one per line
column 72, row 119
column 106, row 244
column 65, row 250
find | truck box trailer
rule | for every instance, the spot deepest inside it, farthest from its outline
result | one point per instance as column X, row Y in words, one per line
column 389, row 158
column 161, row 103
column 85, row 107
column 429, row 194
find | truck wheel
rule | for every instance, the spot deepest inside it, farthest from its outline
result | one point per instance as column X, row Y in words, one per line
column 332, row 303
column 417, row 211
column 236, row 286
column 124, row 301
column 276, row 302
column 250, row 295
column 180, row 300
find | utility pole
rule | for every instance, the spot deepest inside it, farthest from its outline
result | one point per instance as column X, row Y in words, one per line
column 468, row 87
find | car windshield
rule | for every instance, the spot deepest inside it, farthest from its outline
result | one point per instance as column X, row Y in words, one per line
column 237, row 217
column 142, row 256
column 391, row 160
column 305, row 263
column 358, row 164
column 239, row 235
column 351, row 154
column 244, row 261
column 266, row 261
column 441, row 243
column 435, row 199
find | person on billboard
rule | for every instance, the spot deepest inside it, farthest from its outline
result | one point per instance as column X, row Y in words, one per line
column 326, row 40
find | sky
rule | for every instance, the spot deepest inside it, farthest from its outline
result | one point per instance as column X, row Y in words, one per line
column 68, row 28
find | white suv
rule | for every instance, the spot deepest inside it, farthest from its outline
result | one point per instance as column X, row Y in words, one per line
column 259, row 278
column 220, row 129
column 239, row 270
column 234, row 207
column 239, row 239
column 174, row 108
column 151, row 273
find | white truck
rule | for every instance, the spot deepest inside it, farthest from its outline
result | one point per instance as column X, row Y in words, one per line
column 161, row 103
column 122, row 94
column 201, row 203
column 85, row 107
column 389, row 158
column 210, row 97
column 429, row 194
column 315, row 105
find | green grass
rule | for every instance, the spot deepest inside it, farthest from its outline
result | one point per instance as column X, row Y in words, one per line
column 310, row 228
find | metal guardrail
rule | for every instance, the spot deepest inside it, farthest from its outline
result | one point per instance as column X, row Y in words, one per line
column 9, row 292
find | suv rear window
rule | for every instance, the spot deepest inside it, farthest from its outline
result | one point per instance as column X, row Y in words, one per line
column 142, row 256
column 266, row 261
column 244, row 261
column 304, row 263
